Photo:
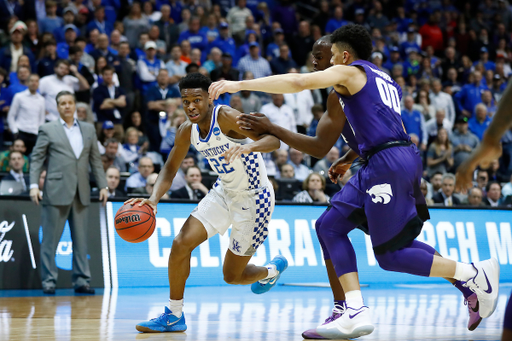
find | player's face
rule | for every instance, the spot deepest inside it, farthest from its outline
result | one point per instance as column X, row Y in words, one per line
column 339, row 57
column 321, row 56
column 195, row 104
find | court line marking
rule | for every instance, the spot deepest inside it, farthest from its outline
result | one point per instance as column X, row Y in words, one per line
column 112, row 245
column 29, row 241
column 104, row 249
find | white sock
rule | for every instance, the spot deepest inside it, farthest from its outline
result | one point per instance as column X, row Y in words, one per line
column 176, row 307
column 463, row 272
column 272, row 271
column 354, row 299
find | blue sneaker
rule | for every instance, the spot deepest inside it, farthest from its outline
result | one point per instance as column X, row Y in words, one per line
column 166, row 322
column 261, row 287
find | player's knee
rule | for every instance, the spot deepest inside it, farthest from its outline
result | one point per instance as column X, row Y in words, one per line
column 386, row 261
column 231, row 278
column 181, row 245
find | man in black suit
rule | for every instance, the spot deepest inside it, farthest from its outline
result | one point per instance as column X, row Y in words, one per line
column 226, row 71
column 493, row 198
column 16, row 163
column 194, row 189
column 446, row 197
column 113, row 178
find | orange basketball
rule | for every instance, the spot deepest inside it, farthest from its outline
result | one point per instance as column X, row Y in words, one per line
column 135, row 223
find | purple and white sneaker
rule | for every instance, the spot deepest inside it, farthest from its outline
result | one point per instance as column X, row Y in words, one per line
column 474, row 314
column 485, row 285
column 352, row 324
column 311, row 334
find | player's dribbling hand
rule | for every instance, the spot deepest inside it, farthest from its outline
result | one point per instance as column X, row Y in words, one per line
column 235, row 152
column 218, row 88
column 483, row 155
column 141, row 202
column 35, row 195
column 338, row 169
column 256, row 122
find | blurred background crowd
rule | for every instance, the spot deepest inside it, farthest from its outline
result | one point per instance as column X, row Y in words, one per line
column 123, row 59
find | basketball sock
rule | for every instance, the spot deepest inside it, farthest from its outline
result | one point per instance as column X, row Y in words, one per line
column 463, row 272
column 465, row 291
column 272, row 271
column 339, row 302
column 176, row 307
column 354, row 299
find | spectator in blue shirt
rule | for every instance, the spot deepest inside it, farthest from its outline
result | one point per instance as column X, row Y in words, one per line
column 479, row 123
column 23, row 74
column 51, row 21
column 69, row 14
column 224, row 41
column 469, row 96
column 100, row 23
column 250, row 37
column 149, row 66
column 103, row 50
column 46, row 64
column 484, row 60
column 334, row 23
column 284, row 62
column 414, row 122
column 412, row 65
column 273, row 47
column 197, row 40
column 6, row 54
column 394, row 58
column 214, row 60
column 70, row 37
column 210, row 30
column 409, row 44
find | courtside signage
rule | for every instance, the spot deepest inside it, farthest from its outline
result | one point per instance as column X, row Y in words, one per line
column 461, row 235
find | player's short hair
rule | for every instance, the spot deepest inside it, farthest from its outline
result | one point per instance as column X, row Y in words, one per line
column 194, row 81
column 324, row 40
column 354, row 38
column 65, row 93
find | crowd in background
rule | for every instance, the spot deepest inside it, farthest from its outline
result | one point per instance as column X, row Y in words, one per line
column 123, row 61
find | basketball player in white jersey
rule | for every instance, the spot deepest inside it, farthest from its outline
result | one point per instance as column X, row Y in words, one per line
column 242, row 197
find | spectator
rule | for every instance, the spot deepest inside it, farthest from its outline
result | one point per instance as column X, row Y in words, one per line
column 470, row 94
column 410, row 44
column 214, row 60
column 185, row 51
column 86, row 59
column 489, row 103
column 482, row 179
column 445, row 197
column 224, row 41
column 452, row 82
column 226, row 70
column 336, row 21
column 302, row 43
column 288, row 186
column 284, row 62
column 68, row 15
column 424, row 106
column 99, row 23
column 111, row 151
column 301, row 104
column 18, row 146
column 484, row 59
column 101, row 62
column 10, row 54
column 440, row 154
column 479, row 123
column 84, row 113
column 493, row 198
column 16, row 163
column 450, row 61
column 297, row 159
column 161, row 46
column 20, row 85
column 253, row 62
column 69, row 41
column 414, row 122
column 149, row 66
column 313, row 190
column 169, row 31
column 250, row 102
column 442, row 100
column 431, row 34
column 50, row 86
column 107, row 132
column 318, row 111
column 236, row 18
column 434, row 124
column 134, row 120
column 424, row 191
column 134, row 24
column 177, row 118
column 507, row 189
column 104, row 50
column 127, row 69
column 210, row 29
column 156, row 98
column 197, row 40
column 113, row 179
column 322, row 166
column 137, row 180
column 75, row 57
column 148, row 189
column 195, row 56
column 109, row 102
column 27, row 113
column 280, row 114
column 194, row 189
column 463, row 141
column 475, row 197
column 273, row 48
column 236, row 103
column 131, row 151
column 138, row 51
column 51, row 22
column 115, row 41
column 185, row 20
column 46, row 64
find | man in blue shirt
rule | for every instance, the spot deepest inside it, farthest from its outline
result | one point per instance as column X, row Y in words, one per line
column 479, row 123
column 22, row 74
column 394, row 58
column 69, row 36
column 484, row 60
column 273, row 47
column 414, row 122
column 469, row 96
column 196, row 39
column 409, row 44
column 156, row 98
column 69, row 15
column 224, row 41
column 334, row 23
column 104, row 50
column 100, row 23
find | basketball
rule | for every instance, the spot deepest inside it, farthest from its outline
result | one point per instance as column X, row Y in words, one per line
column 135, row 223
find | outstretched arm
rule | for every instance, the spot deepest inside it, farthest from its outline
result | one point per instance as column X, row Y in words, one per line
column 348, row 76
column 328, row 130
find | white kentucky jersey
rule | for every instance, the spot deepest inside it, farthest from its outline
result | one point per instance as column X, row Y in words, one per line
column 245, row 173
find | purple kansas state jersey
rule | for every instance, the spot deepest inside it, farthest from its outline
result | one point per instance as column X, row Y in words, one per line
column 373, row 113
column 349, row 138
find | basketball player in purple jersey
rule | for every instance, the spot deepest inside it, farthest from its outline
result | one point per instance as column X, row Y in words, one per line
column 488, row 151
column 328, row 131
column 387, row 187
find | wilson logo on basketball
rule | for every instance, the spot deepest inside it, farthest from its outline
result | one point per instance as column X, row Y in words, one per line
column 128, row 219
column 5, row 245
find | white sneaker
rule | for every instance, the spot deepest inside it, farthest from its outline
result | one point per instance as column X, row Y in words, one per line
column 353, row 323
column 486, row 285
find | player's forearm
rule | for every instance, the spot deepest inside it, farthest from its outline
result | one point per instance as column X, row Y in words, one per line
column 502, row 120
column 266, row 144
column 350, row 156
column 310, row 145
column 280, row 84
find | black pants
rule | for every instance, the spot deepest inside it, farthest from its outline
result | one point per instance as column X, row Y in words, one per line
column 29, row 139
